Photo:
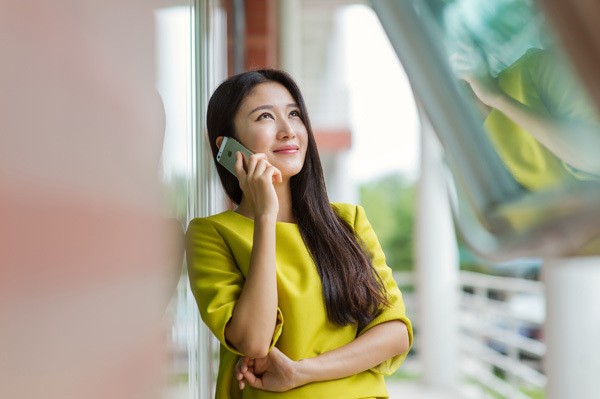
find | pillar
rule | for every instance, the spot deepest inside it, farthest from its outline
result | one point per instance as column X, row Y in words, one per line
column 572, row 328
column 436, row 268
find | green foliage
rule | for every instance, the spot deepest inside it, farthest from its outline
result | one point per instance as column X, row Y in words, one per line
column 534, row 393
column 389, row 203
column 403, row 375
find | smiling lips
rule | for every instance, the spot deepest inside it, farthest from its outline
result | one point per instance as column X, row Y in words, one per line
column 288, row 149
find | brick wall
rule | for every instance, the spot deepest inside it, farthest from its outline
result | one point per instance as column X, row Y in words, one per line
column 261, row 34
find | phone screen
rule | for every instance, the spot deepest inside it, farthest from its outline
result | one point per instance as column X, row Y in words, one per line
column 226, row 155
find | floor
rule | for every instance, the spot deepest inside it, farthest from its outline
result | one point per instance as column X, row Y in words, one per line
column 414, row 390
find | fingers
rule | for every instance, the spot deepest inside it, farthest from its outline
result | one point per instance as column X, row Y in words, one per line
column 240, row 368
column 468, row 60
column 276, row 175
column 239, row 166
column 252, row 379
column 257, row 183
column 255, row 166
column 244, row 372
column 258, row 166
column 242, row 364
column 249, row 377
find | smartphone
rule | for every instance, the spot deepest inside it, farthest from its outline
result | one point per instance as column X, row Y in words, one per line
column 226, row 155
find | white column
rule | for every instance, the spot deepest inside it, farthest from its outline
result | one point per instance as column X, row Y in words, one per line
column 341, row 187
column 290, row 39
column 572, row 329
column 436, row 269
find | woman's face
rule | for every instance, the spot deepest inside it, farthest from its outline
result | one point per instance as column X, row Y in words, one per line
column 269, row 121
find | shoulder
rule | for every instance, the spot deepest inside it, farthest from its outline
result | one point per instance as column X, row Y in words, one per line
column 212, row 224
column 535, row 54
column 349, row 212
column 546, row 67
column 345, row 211
column 528, row 61
column 223, row 218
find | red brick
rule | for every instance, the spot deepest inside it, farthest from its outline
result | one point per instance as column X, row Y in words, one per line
column 333, row 140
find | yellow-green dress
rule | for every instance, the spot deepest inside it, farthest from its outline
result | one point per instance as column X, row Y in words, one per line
column 218, row 254
column 543, row 83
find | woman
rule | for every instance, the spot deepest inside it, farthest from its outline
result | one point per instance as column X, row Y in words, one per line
column 296, row 289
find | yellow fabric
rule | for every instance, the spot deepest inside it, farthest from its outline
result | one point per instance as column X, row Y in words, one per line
column 218, row 253
column 539, row 81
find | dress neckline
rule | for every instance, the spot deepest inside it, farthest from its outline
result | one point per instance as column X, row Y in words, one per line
column 252, row 220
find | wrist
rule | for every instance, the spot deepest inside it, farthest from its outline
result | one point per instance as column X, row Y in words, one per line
column 304, row 371
column 497, row 100
column 266, row 218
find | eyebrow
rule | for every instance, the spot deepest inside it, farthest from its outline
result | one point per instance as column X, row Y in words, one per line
column 260, row 108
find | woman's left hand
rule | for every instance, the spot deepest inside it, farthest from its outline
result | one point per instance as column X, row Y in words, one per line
column 276, row 372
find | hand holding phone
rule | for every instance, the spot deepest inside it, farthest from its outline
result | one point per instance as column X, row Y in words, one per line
column 261, row 197
column 226, row 155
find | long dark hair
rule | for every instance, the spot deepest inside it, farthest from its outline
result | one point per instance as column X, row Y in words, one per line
column 352, row 290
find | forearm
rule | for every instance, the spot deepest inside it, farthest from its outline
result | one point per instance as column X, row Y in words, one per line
column 575, row 142
column 380, row 343
column 253, row 321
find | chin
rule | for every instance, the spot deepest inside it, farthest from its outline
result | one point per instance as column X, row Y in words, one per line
column 288, row 168
column 289, row 172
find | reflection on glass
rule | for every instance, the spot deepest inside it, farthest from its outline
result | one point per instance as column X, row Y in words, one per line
column 173, row 48
column 536, row 114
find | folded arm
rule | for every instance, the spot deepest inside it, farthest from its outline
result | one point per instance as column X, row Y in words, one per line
column 276, row 372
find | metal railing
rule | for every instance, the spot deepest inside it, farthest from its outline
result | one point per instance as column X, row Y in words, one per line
column 501, row 344
column 501, row 322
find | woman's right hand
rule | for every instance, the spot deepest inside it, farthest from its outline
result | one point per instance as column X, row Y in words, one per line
column 257, row 178
column 275, row 373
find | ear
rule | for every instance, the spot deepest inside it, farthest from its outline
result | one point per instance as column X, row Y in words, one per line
column 219, row 140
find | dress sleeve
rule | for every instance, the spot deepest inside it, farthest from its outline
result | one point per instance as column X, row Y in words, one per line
column 396, row 309
column 215, row 279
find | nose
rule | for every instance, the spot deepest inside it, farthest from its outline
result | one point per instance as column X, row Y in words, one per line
column 286, row 130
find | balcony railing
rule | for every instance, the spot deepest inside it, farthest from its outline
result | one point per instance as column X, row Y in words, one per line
column 501, row 340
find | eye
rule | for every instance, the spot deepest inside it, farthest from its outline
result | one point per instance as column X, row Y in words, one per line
column 265, row 115
column 295, row 113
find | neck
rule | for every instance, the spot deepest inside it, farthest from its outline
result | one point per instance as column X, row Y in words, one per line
column 284, row 196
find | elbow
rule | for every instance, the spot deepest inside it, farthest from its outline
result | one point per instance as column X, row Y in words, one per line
column 254, row 350
column 401, row 340
column 251, row 344
column 259, row 353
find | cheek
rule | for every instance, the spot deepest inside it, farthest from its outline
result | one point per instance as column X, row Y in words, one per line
column 301, row 132
column 261, row 144
column 299, row 126
column 255, row 139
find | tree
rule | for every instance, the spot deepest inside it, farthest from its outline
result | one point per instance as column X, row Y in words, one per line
column 389, row 203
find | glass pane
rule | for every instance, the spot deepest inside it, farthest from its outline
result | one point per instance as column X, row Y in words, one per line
column 190, row 59
column 535, row 113
column 174, row 77
column 518, row 129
